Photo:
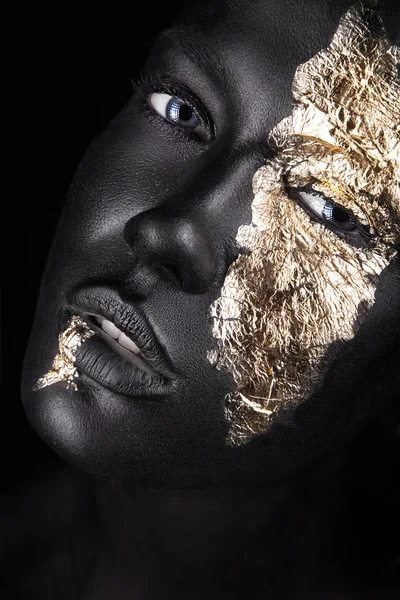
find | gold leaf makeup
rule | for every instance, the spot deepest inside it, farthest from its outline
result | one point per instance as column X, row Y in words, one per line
column 63, row 367
column 325, row 221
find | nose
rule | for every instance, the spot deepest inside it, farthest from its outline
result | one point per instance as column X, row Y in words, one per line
column 189, row 236
column 182, row 247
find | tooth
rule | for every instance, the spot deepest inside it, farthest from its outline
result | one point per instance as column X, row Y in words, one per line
column 99, row 319
column 110, row 328
column 127, row 343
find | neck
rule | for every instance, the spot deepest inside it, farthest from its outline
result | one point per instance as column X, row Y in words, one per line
column 236, row 531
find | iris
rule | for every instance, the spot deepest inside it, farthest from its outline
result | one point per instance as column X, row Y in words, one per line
column 338, row 216
column 177, row 110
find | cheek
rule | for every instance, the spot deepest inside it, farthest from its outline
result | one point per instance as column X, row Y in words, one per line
column 286, row 308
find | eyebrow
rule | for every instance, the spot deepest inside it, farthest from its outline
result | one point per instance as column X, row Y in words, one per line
column 198, row 53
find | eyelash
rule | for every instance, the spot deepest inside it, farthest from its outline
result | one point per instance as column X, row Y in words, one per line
column 146, row 85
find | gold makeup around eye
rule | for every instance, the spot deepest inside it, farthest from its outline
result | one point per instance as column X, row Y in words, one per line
column 290, row 303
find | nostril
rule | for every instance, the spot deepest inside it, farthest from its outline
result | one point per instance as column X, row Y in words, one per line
column 173, row 272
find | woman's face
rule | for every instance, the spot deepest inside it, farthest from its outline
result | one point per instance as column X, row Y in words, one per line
column 197, row 326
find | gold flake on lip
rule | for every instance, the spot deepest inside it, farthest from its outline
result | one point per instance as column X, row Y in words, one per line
column 63, row 367
column 300, row 291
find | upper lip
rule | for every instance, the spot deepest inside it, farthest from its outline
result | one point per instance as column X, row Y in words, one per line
column 107, row 303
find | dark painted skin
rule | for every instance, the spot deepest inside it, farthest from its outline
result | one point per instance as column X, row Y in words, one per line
column 159, row 506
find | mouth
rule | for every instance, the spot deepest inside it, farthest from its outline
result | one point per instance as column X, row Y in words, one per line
column 123, row 355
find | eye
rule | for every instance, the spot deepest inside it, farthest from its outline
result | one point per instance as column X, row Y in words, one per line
column 328, row 211
column 336, row 216
column 176, row 110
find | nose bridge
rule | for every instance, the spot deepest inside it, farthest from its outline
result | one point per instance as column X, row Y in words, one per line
column 224, row 183
column 185, row 234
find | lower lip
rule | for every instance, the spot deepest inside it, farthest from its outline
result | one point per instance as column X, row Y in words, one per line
column 98, row 361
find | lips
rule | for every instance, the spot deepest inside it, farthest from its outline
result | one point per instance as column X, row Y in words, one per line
column 124, row 355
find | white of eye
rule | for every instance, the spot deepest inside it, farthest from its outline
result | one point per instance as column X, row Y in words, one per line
column 159, row 102
column 315, row 202
column 176, row 110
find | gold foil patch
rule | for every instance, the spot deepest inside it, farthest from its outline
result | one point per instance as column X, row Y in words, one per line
column 300, row 291
column 63, row 367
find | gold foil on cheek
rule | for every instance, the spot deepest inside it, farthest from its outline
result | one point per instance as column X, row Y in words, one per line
column 63, row 367
column 300, row 291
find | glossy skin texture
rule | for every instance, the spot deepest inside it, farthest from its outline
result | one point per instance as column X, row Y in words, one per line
column 152, row 213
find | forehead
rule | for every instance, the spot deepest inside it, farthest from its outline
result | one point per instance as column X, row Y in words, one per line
column 246, row 53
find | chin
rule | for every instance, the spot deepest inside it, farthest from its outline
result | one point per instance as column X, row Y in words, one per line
column 137, row 435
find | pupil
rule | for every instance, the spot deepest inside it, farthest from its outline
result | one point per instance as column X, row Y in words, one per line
column 339, row 215
column 185, row 112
